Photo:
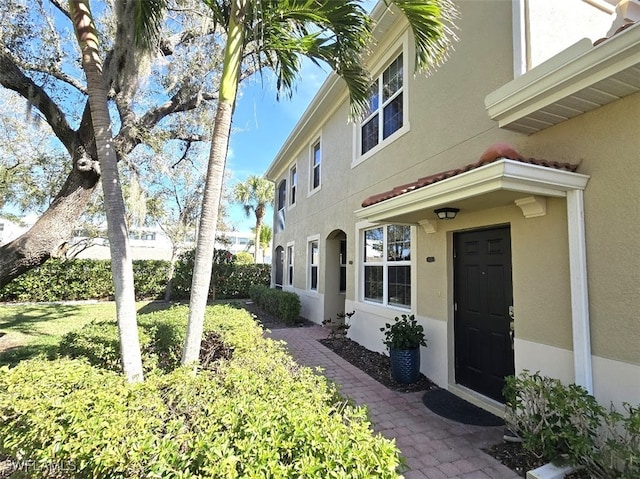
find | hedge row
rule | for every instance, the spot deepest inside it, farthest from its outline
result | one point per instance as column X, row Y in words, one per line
column 284, row 304
column 255, row 414
column 83, row 279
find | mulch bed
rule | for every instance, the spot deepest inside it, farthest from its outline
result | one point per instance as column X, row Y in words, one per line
column 376, row 365
column 514, row 457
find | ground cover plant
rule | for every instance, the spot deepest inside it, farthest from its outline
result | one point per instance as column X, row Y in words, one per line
column 250, row 411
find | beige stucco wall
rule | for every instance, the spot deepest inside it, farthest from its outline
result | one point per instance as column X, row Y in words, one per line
column 539, row 262
column 607, row 144
column 449, row 127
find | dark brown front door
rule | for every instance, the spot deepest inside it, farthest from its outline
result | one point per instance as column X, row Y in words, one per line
column 483, row 294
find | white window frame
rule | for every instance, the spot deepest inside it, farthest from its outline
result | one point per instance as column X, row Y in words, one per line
column 310, row 265
column 293, row 185
column 290, row 261
column 401, row 47
column 312, row 166
column 385, row 268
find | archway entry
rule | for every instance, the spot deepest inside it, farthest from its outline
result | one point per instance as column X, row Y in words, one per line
column 279, row 265
column 483, row 295
column 335, row 279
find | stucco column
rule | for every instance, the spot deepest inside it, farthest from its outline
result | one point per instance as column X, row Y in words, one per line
column 579, row 290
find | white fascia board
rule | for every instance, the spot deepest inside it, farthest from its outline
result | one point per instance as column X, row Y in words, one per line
column 572, row 70
column 503, row 174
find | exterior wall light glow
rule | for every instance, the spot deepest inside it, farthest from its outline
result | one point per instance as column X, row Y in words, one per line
column 446, row 213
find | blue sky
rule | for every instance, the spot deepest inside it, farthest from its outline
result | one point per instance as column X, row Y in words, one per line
column 261, row 124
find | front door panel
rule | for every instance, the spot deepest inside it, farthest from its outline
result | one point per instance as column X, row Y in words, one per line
column 483, row 294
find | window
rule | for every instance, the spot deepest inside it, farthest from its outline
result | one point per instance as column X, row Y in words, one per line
column 313, row 264
column 282, row 201
column 290, row 265
column 293, row 181
column 387, row 265
column 282, row 194
column 343, row 266
column 385, row 113
column 315, row 166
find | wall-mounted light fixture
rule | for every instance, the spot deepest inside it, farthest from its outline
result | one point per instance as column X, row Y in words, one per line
column 446, row 213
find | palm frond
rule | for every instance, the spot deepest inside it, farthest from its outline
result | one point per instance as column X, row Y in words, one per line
column 432, row 25
column 148, row 18
column 325, row 31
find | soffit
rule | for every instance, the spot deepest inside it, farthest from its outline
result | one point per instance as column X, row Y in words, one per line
column 582, row 78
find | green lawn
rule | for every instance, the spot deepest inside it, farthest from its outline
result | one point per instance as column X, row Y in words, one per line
column 28, row 330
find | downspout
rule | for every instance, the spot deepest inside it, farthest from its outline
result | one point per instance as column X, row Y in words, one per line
column 520, row 34
column 579, row 290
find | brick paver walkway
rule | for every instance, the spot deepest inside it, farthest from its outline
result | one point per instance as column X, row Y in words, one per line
column 434, row 447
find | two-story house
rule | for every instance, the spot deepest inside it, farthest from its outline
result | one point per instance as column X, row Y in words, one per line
column 498, row 199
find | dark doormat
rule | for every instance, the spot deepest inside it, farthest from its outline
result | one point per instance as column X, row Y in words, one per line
column 448, row 405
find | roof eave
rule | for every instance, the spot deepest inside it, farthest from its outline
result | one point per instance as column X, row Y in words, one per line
column 532, row 101
column 504, row 174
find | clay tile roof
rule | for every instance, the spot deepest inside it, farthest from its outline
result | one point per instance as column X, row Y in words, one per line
column 619, row 30
column 494, row 153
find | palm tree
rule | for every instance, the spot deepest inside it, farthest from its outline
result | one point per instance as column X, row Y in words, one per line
column 276, row 34
column 121, row 264
column 255, row 194
column 266, row 235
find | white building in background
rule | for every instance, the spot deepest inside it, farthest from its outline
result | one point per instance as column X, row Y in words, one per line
column 153, row 243
column 145, row 243
column 10, row 230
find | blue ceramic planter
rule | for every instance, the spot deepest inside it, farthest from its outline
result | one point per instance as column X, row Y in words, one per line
column 405, row 365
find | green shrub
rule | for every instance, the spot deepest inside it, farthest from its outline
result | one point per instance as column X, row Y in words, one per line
column 99, row 343
column 162, row 336
column 243, row 257
column 228, row 280
column 258, row 414
column 558, row 422
column 284, row 304
column 82, row 279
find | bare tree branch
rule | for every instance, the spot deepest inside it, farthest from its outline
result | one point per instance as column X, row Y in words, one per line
column 64, row 10
column 13, row 78
column 54, row 72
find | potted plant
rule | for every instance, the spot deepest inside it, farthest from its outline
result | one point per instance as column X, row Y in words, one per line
column 403, row 338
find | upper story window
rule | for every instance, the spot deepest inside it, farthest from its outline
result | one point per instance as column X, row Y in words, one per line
column 385, row 114
column 316, row 158
column 280, row 204
column 387, row 265
column 293, row 182
column 282, row 194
